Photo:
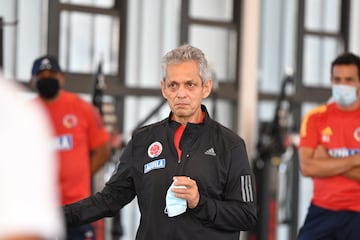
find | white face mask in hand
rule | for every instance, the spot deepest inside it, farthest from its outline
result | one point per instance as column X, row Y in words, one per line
column 174, row 205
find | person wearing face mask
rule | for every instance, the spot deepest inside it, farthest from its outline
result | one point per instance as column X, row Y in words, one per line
column 329, row 153
column 190, row 174
column 80, row 137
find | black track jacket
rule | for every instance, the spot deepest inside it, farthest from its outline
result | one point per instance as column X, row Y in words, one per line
column 212, row 155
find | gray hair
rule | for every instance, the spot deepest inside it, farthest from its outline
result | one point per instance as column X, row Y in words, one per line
column 186, row 53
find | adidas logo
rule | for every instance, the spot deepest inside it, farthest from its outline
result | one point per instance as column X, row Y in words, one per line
column 210, row 151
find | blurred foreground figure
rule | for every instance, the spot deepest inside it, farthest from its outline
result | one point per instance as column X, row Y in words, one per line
column 190, row 174
column 29, row 204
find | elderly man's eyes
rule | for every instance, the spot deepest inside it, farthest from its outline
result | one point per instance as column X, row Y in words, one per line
column 188, row 85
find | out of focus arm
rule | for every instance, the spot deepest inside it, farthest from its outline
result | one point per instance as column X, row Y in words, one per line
column 99, row 157
column 317, row 163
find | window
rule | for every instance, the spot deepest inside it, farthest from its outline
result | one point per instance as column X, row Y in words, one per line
column 86, row 39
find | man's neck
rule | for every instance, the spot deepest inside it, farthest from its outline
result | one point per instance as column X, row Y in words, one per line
column 51, row 100
column 185, row 121
column 351, row 107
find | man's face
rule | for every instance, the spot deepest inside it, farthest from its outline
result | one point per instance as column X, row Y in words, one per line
column 345, row 75
column 48, row 84
column 185, row 91
column 345, row 86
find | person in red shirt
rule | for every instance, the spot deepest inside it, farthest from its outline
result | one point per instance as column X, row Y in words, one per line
column 329, row 153
column 81, row 139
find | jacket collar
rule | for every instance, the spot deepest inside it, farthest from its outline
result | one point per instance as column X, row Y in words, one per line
column 174, row 125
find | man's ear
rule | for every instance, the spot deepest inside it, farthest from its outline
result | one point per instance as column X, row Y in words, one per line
column 61, row 78
column 162, row 85
column 33, row 82
column 207, row 88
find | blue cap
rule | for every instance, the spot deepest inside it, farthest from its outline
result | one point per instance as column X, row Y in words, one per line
column 45, row 63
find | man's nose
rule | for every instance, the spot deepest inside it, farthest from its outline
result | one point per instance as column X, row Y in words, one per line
column 181, row 92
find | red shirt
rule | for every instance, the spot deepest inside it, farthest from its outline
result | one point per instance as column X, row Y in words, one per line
column 339, row 132
column 78, row 128
column 179, row 132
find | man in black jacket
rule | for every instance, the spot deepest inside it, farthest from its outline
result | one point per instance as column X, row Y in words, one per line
column 190, row 174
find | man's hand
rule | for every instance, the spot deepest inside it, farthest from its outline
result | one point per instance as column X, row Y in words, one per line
column 320, row 152
column 190, row 193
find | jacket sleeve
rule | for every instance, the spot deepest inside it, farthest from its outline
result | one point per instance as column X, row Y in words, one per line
column 237, row 210
column 118, row 192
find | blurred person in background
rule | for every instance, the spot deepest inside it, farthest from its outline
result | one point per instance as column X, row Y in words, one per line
column 29, row 202
column 81, row 140
column 329, row 153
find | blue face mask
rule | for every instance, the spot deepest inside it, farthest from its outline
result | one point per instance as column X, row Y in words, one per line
column 174, row 205
column 344, row 95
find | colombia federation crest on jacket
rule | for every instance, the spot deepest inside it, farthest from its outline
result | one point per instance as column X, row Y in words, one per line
column 212, row 155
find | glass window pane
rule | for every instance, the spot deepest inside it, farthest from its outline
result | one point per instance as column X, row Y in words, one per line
column 318, row 55
column 106, row 42
column 322, row 15
column 94, row 3
column 212, row 9
column 79, row 36
column 225, row 113
column 220, row 51
column 222, row 111
column 266, row 111
column 17, row 41
column 265, row 115
column 156, row 28
column 307, row 106
column 138, row 108
column 85, row 39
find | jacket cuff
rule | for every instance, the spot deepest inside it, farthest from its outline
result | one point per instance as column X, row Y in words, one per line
column 205, row 210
